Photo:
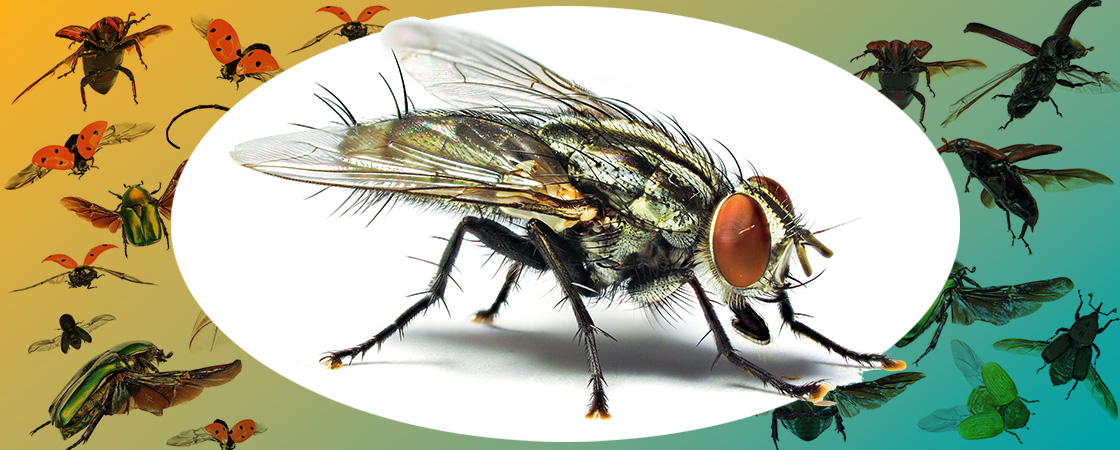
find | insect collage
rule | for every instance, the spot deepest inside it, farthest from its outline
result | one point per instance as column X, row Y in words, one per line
column 530, row 255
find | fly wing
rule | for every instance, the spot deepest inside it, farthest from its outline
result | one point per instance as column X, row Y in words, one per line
column 190, row 437
column 999, row 304
column 950, row 68
column 57, row 279
column 1061, row 180
column 44, row 345
column 154, row 392
column 967, row 101
column 205, row 336
column 123, row 276
column 967, row 362
column 125, row 131
column 168, row 198
column 471, row 71
column 457, row 159
column 26, row 176
column 944, row 419
column 1100, row 392
column 853, row 398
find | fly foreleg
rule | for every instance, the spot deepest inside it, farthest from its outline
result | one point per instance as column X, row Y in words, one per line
column 774, row 428
column 491, row 233
column 786, row 310
column 813, row 392
column 551, row 249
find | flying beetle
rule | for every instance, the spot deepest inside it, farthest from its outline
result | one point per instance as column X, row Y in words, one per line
column 807, row 420
column 1069, row 355
column 227, row 437
column 139, row 215
column 73, row 333
column 994, row 405
column 77, row 155
column 995, row 304
column 350, row 29
column 254, row 61
column 529, row 145
column 83, row 275
column 123, row 378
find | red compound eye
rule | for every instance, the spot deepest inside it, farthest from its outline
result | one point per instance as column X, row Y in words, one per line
column 776, row 190
column 740, row 240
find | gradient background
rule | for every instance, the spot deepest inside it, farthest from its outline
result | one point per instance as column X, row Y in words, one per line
column 1074, row 237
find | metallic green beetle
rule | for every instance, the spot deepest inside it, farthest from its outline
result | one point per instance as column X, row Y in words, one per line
column 138, row 216
column 996, row 304
column 126, row 377
column 807, row 420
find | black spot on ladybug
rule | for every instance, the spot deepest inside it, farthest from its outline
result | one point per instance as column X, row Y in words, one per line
column 95, row 133
column 56, row 151
column 213, row 30
column 217, row 49
column 228, row 37
column 82, row 136
column 258, row 63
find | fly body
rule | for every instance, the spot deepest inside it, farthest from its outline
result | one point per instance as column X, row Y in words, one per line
column 613, row 201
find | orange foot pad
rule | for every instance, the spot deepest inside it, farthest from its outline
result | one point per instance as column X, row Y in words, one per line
column 819, row 393
column 598, row 414
column 894, row 365
column 332, row 362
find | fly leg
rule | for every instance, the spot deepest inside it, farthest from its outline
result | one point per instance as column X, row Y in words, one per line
column 550, row 247
column 97, row 415
column 802, row 329
column 488, row 315
column 128, row 73
column 812, row 392
column 492, row 234
column 773, row 425
column 840, row 425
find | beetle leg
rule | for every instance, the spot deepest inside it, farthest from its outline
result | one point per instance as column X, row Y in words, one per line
column 1051, row 100
column 840, row 425
column 922, row 101
column 1004, row 127
column 1022, row 234
column 802, row 329
column 813, row 392
column 1075, row 381
column 492, row 234
column 487, row 315
column 40, row 427
column 1013, row 434
column 966, row 181
column 1101, row 329
column 82, row 89
column 865, row 52
column 128, row 73
column 97, row 415
column 139, row 54
column 773, row 425
column 943, row 319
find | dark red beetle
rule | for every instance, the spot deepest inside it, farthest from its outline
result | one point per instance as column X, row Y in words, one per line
column 1004, row 182
column 102, row 52
column 900, row 66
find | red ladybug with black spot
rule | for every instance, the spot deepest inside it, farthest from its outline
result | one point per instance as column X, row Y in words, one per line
column 350, row 29
column 77, row 155
column 223, row 434
column 83, row 275
column 255, row 61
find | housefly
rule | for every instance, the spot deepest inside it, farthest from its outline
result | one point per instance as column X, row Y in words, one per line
column 613, row 200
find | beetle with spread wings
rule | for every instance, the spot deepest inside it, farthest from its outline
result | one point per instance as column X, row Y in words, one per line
column 77, row 155
column 613, row 200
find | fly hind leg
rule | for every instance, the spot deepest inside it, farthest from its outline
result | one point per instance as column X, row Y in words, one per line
column 788, row 317
column 492, row 234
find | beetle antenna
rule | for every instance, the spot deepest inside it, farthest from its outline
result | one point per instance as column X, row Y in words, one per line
column 157, row 188
column 115, row 195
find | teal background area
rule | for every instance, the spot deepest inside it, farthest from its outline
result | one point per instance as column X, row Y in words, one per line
column 1076, row 237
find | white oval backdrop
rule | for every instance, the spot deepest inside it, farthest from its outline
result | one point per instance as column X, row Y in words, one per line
column 287, row 281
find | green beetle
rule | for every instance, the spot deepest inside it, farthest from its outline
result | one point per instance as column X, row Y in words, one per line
column 125, row 377
column 807, row 420
column 996, row 304
column 994, row 405
column 139, row 216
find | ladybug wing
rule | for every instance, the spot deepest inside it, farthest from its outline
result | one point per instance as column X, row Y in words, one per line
column 338, row 11
column 244, row 430
column 123, row 276
column 125, row 132
column 90, row 138
column 368, row 13
column 201, row 23
column 54, row 157
column 257, row 61
column 190, row 437
column 371, row 28
column 318, row 38
column 168, row 197
column 57, row 279
column 218, row 431
column 71, row 61
column 223, row 41
column 154, row 392
column 26, row 176
column 95, row 214
column 93, row 253
column 62, row 260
